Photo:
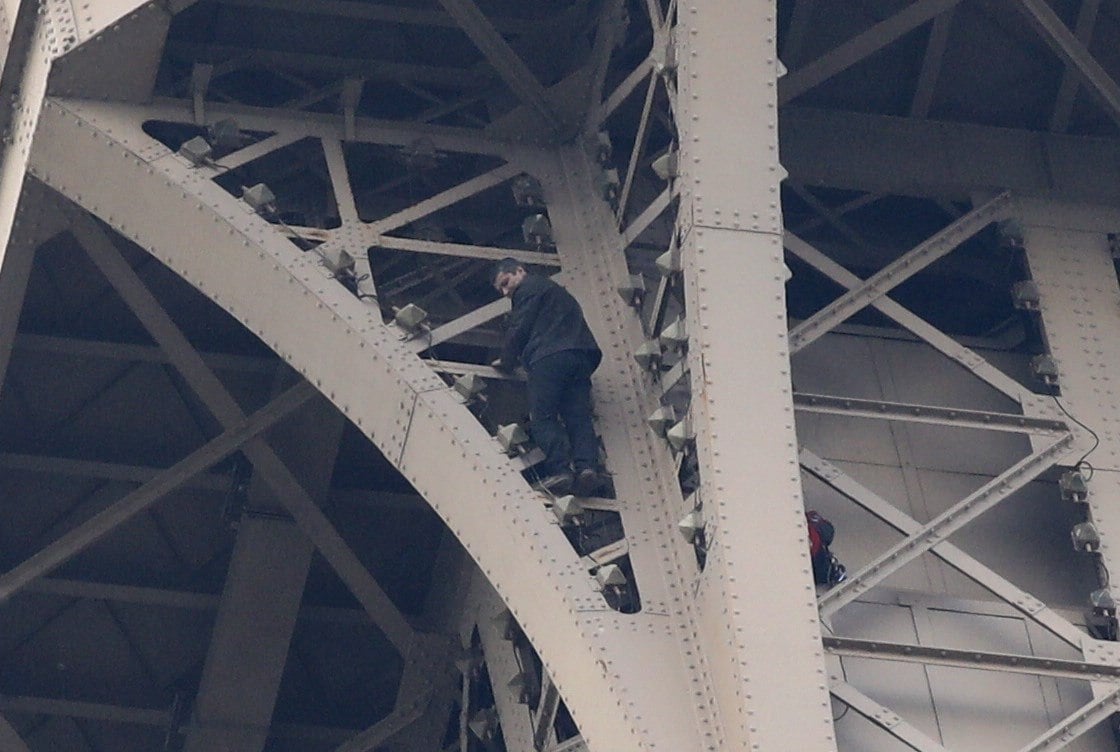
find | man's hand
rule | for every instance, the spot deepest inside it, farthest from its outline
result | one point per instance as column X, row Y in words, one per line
column 502, row 366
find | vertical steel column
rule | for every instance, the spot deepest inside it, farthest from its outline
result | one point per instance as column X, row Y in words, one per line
column 757, row 601
column 1071, row 262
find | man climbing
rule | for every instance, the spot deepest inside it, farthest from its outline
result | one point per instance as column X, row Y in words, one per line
column 549, row 336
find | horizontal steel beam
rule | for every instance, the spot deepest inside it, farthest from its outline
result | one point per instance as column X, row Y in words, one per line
column 912, row 413
column 329, row 125
column 973, row 659
column 902, row 156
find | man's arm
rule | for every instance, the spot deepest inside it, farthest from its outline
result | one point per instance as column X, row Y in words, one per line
column 523, row 316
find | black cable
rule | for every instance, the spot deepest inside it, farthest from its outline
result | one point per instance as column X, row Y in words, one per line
column 1096, row 438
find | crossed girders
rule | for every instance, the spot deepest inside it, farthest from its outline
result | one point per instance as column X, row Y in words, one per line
column 393, row 397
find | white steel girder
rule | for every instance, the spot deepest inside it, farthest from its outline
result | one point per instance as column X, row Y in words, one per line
column 597, row 657
column 731, row 246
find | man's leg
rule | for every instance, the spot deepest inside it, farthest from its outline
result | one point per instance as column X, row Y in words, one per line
column 548, row 379
column 575, row 409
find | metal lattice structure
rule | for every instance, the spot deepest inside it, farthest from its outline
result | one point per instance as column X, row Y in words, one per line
column 262, row 490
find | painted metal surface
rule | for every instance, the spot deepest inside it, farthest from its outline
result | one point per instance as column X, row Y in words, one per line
column 595, row 656
column 731, row 230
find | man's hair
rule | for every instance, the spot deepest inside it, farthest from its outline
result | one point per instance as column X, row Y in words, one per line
column 507, row 264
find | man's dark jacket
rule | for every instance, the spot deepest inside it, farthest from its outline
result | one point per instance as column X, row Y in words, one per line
column 545, row 319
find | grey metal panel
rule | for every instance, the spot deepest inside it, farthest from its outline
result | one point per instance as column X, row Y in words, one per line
column 982, row 710
column 903, row 688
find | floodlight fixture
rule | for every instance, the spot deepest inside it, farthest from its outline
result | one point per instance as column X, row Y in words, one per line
column 610, row 575
column 469, row 386
column 609, row 185
column 260, row 198
column 602, row 148
column 648, row 355
column 537, row 231
column 666, row 165
column 681, row 436
column 512, row 438
column 1045, row 369
column 411, row 318
column 1025, row 295
column 1073, row 486
column 567, row 510
column 527, row 191
column 674, row 336
column 197, row 151
column 1102, row 602
column 507, row 625
column 226, row 134
column 522, row 689
column 468, row 661
column 1010, row 232
column 670, row 262
column 1085, row 537
column 484, row 723
column 664, row 55
column 691, row 525
column 633, row 292
column 661, row 419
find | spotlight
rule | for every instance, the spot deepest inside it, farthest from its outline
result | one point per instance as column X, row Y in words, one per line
column 610, row 575
column 1072, row 486
column 661, row 419
column 527, row 191
column 691, row 525
column 260, row 198
column 468, row 662
column 648, row 355
column 1045, row 369
column 196, row 151
column 634, row 291
column 1102, row 602
column 411, row 318
column 608, row 184
column 681, row 436
column 1025, row 295
column 484, row 723
column 1010, row 233
column 567, row 510
column 513, row 438
column 469, row 386
column 522, row 687
column 664, row 56
column 1085, row 537
column 226, row 134
column 674, row 336
column 665, row 166
column 537, row 231
column 670, row 262
column 508, row 625
column 602, row 149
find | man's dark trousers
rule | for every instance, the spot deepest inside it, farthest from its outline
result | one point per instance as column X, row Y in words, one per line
column 560, row 390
